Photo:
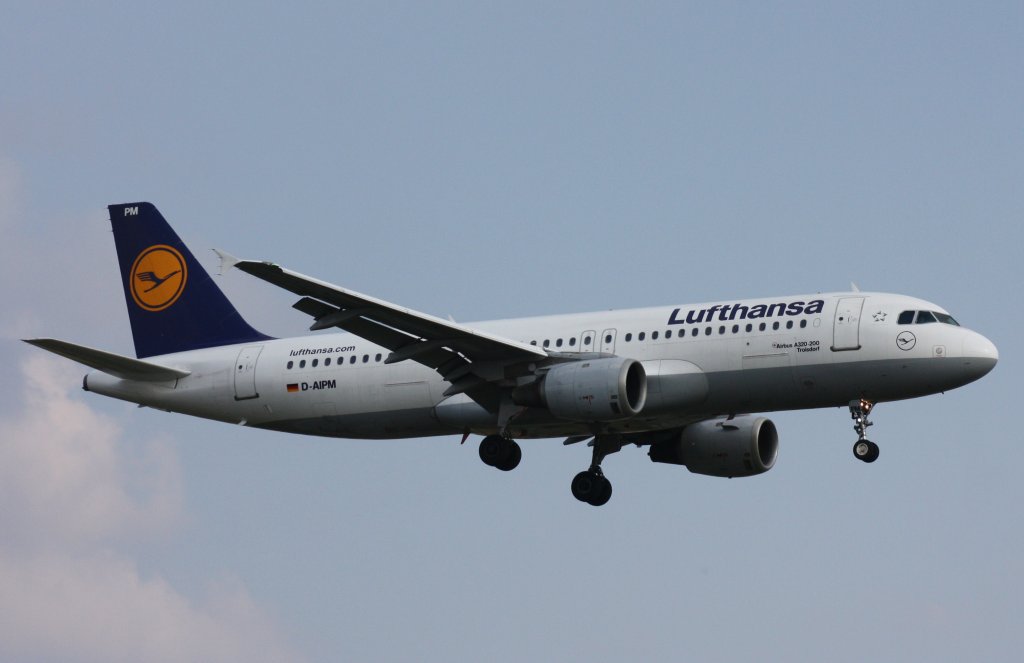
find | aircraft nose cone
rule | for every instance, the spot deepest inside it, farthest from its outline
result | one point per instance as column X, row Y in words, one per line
column 980, row 354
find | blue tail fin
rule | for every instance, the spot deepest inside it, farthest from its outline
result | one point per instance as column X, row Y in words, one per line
column 173, row 304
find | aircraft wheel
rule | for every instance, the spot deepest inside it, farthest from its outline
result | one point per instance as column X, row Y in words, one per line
column 866, row 450
column 513, row 456
column 592, row 488
column 605, row 494
column 491, row 450
column 500, row 452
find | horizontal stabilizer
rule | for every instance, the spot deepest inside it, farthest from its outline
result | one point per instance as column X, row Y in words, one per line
column 119, row 366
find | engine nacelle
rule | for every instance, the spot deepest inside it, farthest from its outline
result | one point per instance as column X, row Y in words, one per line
column 740, row 447
column 593, row 390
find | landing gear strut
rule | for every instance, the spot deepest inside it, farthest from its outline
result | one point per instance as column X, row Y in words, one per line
column 863, row 449
column 591, row 485
column 500, row 452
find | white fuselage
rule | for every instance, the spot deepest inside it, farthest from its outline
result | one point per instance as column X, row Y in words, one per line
column 701, row 360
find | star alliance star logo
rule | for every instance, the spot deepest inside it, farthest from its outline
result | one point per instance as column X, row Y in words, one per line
column 879, row 317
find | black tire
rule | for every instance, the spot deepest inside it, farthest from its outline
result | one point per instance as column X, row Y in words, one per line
column 513, row 455
column 584, row 484
column 492, row 450
column 865, row 450
column 603, row 493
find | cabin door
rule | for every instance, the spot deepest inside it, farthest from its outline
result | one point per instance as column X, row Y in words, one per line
column 608, row 341
column 846, row 327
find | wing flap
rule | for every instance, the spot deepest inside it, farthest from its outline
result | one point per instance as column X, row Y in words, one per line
column 119, row 366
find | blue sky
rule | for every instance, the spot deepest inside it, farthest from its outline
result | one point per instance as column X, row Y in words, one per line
column 483, row 161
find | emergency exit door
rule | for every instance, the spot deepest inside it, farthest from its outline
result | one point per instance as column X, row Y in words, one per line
column 245, row 372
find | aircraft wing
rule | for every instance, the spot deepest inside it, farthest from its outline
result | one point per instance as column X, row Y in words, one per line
column 470, row 359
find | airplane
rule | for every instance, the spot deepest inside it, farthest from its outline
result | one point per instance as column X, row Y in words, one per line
column 682, row 380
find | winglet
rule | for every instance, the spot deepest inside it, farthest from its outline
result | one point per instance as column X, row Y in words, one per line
column 227, row 261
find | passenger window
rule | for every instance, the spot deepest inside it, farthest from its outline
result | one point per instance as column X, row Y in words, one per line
column 775, row 325
column 629, row 337
column 366, row 358
column 290, row 364
column 668, row 334
column 803, row 323
column 533, row 342
column 924, row 317
column 721, row 330
column 315, row 362
column 654, row 336
column 906, row 318
column 761, row 327
column 352, row 359
column 735, row 329
column 707, row 331
column 641, row 336
column 572, row 341
column 377, row 358
column 327, row 362
column 789, row 324
column 693, row 332
column 586, row 340
column 558, row 343
column 547, row 342
column 607, row 338
column 750, row 327
column 302, row 364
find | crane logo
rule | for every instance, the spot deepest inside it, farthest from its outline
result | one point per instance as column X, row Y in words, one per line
column 906, row 340
column 158, row 277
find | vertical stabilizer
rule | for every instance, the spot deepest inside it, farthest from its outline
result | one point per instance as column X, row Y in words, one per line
column 173, row 304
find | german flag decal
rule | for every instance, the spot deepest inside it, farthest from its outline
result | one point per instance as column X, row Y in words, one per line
column 293, row 387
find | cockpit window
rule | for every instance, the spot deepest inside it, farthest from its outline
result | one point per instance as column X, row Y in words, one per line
column 924, row 317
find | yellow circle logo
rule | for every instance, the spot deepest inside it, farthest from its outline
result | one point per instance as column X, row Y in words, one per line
column 158, row 277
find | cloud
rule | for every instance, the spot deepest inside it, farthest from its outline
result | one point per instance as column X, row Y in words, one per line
column 68, row 473
column 71, row 488
column 98, row 608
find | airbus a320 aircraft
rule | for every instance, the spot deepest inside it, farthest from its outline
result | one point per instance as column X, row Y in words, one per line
column 680, row 380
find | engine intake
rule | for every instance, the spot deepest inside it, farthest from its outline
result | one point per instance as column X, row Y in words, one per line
column 593, row 390
column 740, row 447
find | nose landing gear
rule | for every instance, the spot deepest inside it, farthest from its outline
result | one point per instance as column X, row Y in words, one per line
column 863, row 449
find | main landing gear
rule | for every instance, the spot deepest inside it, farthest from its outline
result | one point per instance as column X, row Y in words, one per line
column 591, row 485
column 863, row 449
column 500, row 452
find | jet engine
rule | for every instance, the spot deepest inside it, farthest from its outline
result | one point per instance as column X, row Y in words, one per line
column 593, row 390
column 740, row 447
